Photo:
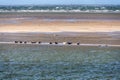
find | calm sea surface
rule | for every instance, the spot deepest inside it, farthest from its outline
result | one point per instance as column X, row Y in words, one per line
column 38, row 62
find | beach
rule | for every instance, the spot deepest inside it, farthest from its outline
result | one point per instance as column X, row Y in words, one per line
column 59, row 22
column 60, row 26
column 96, row 28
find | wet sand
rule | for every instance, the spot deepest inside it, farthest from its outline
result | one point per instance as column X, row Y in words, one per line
column 82, row 37
column 60, row 44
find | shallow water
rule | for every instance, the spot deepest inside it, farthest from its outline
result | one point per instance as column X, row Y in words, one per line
column 39, row 62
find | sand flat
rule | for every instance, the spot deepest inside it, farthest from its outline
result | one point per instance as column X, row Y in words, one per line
column 61, row 26
column 59, row 22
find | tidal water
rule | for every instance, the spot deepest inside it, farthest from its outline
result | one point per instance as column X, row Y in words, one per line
column 42, row 62
column 61, row 8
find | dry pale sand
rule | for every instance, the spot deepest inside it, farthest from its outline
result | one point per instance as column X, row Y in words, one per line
column 59, row 22
column 60, row 26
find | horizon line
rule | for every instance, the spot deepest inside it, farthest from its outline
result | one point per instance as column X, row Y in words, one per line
column 54, row 4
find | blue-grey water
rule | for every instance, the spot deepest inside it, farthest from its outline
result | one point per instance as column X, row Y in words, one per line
column 42, row 62
column 61, row 8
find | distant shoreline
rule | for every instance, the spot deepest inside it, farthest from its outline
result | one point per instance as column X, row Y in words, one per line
column 62, row 8
column 39, row 11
